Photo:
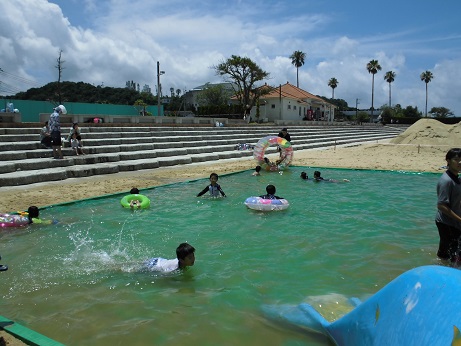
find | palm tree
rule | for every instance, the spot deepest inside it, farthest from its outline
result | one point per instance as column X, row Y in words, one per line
column 333, row 83
column 297, row 59
column 373, row 67
column 389, row 77
column 426, row 76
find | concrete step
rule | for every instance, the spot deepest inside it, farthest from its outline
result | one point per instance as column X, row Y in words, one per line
column 178, row 141
column 131, row 149
column 112, row 153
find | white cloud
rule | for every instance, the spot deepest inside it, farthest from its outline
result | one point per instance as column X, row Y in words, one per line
column 127, row 38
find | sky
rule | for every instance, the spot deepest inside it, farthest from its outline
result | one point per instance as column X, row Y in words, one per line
column 110, row 42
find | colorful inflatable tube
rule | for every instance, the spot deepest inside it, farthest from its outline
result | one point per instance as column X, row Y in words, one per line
column 11, row 220
column 420, row 307
column 258, row 203
column 143, row 200
column 285, row 158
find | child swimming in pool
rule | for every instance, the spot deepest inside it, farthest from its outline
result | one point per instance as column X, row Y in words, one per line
column 304, row 176
column 318, row 177
column 214, row 188
column 135, row 203
column 185, row 257
column 257, row 170
column 270, row 189
column 33, row 214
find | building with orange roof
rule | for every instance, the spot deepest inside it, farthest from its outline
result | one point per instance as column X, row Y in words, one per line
column 288, row 102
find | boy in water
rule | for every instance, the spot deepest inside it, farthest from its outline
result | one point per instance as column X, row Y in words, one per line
column 270, row 189
column 317, row 177
column 33, row 213
column 214, row 188
column 257, row 170
column 448, row 217
column 135, row 203
column 185, row 257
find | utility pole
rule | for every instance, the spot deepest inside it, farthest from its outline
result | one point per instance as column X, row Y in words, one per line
column 4, row 98
column 158, row 87
column 280, row 101
column 356, row 109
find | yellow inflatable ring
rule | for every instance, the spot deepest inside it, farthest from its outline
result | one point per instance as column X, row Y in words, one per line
column 125, row 201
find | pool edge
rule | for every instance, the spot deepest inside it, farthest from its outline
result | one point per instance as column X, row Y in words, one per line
column 26, row 335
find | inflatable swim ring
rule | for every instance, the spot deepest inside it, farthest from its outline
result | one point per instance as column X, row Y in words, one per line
column 9, row 220
column 287, row 152
column 258, row 203
column 44, row 222
column 37, row 220
column 125, row 201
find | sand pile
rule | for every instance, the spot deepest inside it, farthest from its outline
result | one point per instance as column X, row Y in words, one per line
column 431, row 132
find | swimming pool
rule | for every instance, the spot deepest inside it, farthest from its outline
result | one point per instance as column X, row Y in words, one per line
column 79, row 282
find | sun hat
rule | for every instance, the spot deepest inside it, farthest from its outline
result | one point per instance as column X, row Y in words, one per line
column 61, row 108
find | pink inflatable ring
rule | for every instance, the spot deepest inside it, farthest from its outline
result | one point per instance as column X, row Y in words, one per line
column 285, row 158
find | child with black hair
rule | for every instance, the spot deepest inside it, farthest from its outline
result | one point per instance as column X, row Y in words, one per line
column 317, row 177
column 76, row 144
column 214, row 188
column 448, row 217
column 185, row 257
column 257, row 170
column 304, row 176
column 32, row 213
column 135, row 203
column 270, row 189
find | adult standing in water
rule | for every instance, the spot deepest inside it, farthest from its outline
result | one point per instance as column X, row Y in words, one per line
column 55, row 131
column 448, row 217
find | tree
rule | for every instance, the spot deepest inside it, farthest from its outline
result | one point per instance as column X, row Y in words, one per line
column 411, row 112
column 333, row 83
column 387, row 114
column 243, row 73
column 373, row 67
column 361, row 117
column 440, row 112
column 389, row 77
column 297, row 59
column 216, row 95
column 426, row 77
column 140, row 106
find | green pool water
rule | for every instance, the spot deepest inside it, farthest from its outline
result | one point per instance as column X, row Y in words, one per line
column 80, row 282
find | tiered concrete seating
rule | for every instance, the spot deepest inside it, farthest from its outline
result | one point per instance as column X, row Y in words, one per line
column 117, row 149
